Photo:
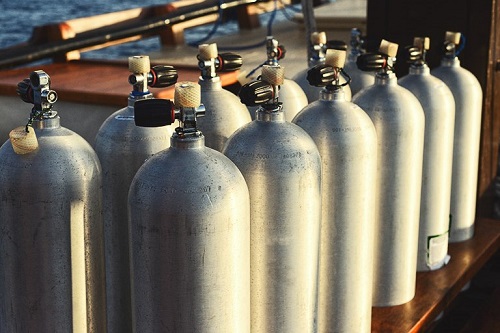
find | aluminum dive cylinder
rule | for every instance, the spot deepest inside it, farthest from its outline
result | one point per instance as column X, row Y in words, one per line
column 122, row 148
column 52, row 275
column 468, row 103
column 282, row 167
column 347, row 143
column 291, row 94
column 359, row 78
column 439, row 108
column 318, row 45
column 399, row 121
column 189, row 229
column 224, row 113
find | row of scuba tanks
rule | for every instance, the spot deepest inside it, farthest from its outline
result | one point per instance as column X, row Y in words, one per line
column 296, row 221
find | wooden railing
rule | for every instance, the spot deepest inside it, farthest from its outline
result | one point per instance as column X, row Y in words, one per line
column 64, row 41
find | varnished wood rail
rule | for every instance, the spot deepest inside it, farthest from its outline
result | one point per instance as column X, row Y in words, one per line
column 63, row 41
column 98, row 82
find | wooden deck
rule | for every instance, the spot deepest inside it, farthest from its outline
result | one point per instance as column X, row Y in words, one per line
column 103, row 83
column 436, row 290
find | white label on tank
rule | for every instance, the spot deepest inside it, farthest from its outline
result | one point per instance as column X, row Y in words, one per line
column 437, row 249
column 78, row 277
column 124, row 117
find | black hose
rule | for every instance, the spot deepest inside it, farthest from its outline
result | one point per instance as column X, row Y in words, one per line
column 20, row 55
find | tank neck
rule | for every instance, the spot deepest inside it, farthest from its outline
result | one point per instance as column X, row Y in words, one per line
column 52, row 122
column 386, row 79
column 133, row 98
column 275, row 114
column 315, row 61
column 419, row 69
column 447, row 62
column 336, row 94
column 213, row 83
column 190, row 141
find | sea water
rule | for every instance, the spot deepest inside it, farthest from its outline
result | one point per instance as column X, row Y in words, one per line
column 18, row 18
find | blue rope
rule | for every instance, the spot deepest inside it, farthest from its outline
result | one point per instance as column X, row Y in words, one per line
column 214, row 29
column 461, row 46
column 259, row 44
column 218, row 23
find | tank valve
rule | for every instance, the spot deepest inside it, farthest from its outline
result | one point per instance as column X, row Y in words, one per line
column 454, row 43
column 328, row 74
column 275, row 52
column 264, row 91
column 143, row 75
column 318, row 46
column 416, row 53
column 161, row 112
column 210, row 61
column 34, row 90
column 383, row 61
column 356, row 42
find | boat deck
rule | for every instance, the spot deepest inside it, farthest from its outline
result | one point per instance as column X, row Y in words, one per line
column 103, row 83
column 92, row 90
column 101, row 88
column 436, row 290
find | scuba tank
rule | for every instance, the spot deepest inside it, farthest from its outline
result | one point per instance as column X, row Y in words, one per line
column 399, row 121
column 282, row 168
column 189, row 229
column 347, row 143
column 224, row 112
column 360, row 79
column 291, row 94
column 468, row 97
column 51, row 254
column 439, row 109
column 122, row 148
column 318, row 46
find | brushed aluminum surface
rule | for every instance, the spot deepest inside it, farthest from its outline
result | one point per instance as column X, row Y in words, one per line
column 122, row 148
column 439, row 108
column 359, row 78
column 190, row 242
column 224, row 113
column 468, row 97
column 347, row 143
column 282, row 167
column 399, row 121
column 51, row 250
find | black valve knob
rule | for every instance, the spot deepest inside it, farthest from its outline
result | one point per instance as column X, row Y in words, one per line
column 371, row 62
column 336, row 45
column 370, row 44
column 256, row 93
column 321, row 75
column 163, row 76
column 229, row 62
column 154, row 112
column 25, row 91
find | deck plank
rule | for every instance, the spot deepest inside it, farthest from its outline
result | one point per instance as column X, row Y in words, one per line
column 435, row 290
